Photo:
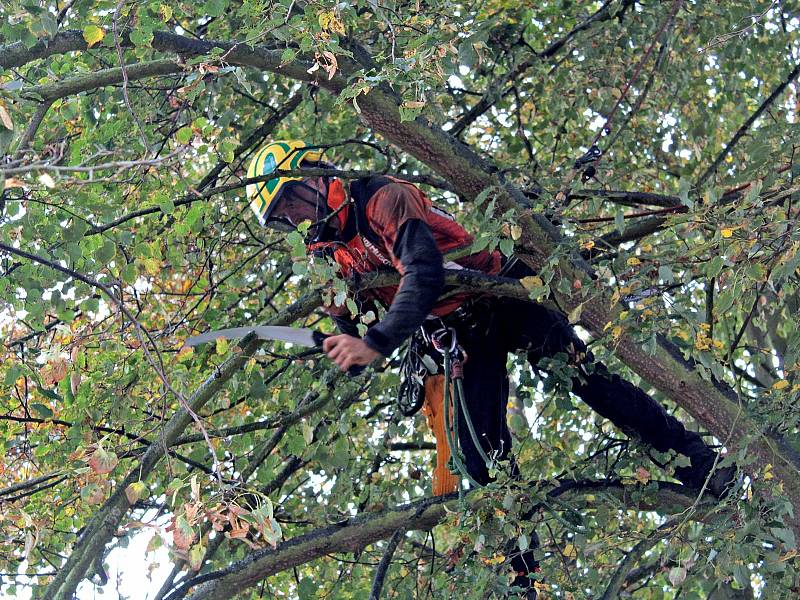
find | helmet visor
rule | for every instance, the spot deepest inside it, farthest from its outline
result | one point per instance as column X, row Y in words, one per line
column 298, row 202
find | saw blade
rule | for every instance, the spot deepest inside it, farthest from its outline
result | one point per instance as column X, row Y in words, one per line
column 292, row 335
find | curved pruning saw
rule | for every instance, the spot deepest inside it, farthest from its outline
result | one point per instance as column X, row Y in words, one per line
column 292, row 335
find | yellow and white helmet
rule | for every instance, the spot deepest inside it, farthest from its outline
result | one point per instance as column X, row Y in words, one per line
column 277, row 155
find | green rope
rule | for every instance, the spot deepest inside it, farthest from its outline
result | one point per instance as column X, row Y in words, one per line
column 460, row 396
column 451, row 440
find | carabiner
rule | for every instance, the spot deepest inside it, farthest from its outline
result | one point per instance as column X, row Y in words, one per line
column 440, row 342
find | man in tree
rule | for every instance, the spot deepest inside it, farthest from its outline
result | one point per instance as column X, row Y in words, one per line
column 388, row 223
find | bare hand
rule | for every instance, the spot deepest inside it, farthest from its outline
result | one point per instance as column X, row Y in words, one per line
column 348, row 351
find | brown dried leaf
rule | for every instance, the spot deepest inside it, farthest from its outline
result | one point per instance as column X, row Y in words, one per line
column 182, row 533
column 74, row 382
column 238, row 533
column 331, row 65
column 102, row 461
column 5, row 118
column 642, row 475
column 191, row 510
column 54, row 371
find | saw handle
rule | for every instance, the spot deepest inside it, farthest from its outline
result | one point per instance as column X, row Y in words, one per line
column 320, row 337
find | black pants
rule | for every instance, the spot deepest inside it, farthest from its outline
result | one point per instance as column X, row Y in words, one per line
column 500, row 326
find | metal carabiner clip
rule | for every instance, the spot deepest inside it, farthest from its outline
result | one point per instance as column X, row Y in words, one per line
column 440, row 343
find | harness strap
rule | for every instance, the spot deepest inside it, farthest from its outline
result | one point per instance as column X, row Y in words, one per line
column 444, row 481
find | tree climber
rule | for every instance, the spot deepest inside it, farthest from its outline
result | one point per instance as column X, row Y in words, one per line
column 385, row 222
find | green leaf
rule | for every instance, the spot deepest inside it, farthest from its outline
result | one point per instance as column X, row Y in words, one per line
column 106, row 252
column 43, row 410
column 184, row 135
column 196, row 555
column 714, row 267
column 142, row 37
column 215, row 8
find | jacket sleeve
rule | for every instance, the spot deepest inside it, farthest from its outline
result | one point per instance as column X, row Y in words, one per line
column 398, row 217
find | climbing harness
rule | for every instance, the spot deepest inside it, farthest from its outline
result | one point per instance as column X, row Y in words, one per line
column 433, row 380
column 417, row 364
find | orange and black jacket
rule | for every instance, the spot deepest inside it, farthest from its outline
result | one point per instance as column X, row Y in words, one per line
column 391, row 224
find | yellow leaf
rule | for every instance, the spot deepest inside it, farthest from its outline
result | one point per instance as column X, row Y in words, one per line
column 570, row 551
column 165, row 12
column 726, row 233
column 185, row 354
column 151, row 265
column 93, row 34
column 516, row 232
column 222, row 345
column 616, row 332
column 633, row 261
column 6, row 118
column 588, row 245
column 531, row 282
column 135, row 491
column 329, row 22
column 325, row 18
column 412, row 104
column 575, row 314
column 779, row 385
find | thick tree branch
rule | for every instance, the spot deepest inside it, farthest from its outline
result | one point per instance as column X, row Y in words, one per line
column 629, row 198
column 90, row 81
column 355, row 534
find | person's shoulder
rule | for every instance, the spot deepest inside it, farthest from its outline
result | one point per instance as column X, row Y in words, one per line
column 397, row 190
column 395, row 202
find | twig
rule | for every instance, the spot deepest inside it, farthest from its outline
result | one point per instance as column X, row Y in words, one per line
column 33, row 126
column 119, row 165
column 121, row 57
column 675, row 7
column 493, row 93
column 618, row 578
column 383, row 566
column 24, row 485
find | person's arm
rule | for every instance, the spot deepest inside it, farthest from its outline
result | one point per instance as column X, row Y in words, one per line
column 420, row 262
column 397, row 213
